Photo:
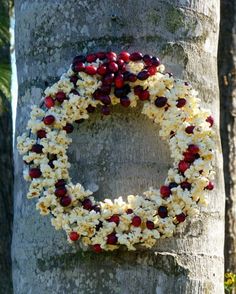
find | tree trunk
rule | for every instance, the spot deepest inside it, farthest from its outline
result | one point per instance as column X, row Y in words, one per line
column 122, row 154
column 227, row 77
column 6, row 158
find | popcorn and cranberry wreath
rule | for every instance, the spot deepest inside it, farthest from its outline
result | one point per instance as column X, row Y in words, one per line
column 102, row 80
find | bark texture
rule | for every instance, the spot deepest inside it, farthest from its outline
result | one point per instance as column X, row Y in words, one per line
column 120, row 154
column 6, row 160
column 227, row 78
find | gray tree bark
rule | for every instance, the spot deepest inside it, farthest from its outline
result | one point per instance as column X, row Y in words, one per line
column 227, row 77
column 122, row 154
column 6, row 158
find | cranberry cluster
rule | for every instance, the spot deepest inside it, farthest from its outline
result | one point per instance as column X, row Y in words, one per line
column 113, row 72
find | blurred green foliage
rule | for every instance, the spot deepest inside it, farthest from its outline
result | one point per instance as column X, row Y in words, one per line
column 230, row 282
column 5, row 61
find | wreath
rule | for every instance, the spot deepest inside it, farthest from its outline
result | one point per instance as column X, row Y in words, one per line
column 102, row 80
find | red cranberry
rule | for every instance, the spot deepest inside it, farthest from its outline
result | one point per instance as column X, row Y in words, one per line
column 68, row 128
column 115, row 219
column 194, row 149
column 181, row 102
column 108, row 79
column 143, row 75
column 41, row 134
column 138, row 89
column 147, row 59
column 121, row 64
column 152, row 70
column 165, row 191
column 49, row 119
column 132, row 78
column 60, row 96
column 90, row 108
column 106, row 110
column 101, row 55
column 136, row 221
column 129, row 211
column 91, row 58
column 162, row 211
column 136, row 56
column 155, row 61
column 124, row 101
column 112, row 56
column 144, row 95
column 49, row 102
column 102, row 69
column 189, row 157
column 150, row 225
column 181, row 217
column 124, row 55
column 160, row 102
column 183, row 166
column 122, row 68
column 60, row 183
column 74, row 236
column 79, row 66
column 113, row 66
column 189, row 129
column 35, row 173
column 112, row 239
column 60, row 191
column 186, row 185
column 119, row 81
column 37, row 148
column 87, row 204
column 65, row 201
column 91, row 70
column 97, row 248
column 210, row 186
column 210, row 120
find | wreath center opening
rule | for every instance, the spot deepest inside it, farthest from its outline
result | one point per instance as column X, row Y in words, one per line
column 118, row 155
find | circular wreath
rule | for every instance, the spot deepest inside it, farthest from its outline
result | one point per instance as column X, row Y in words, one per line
column 102, row 80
